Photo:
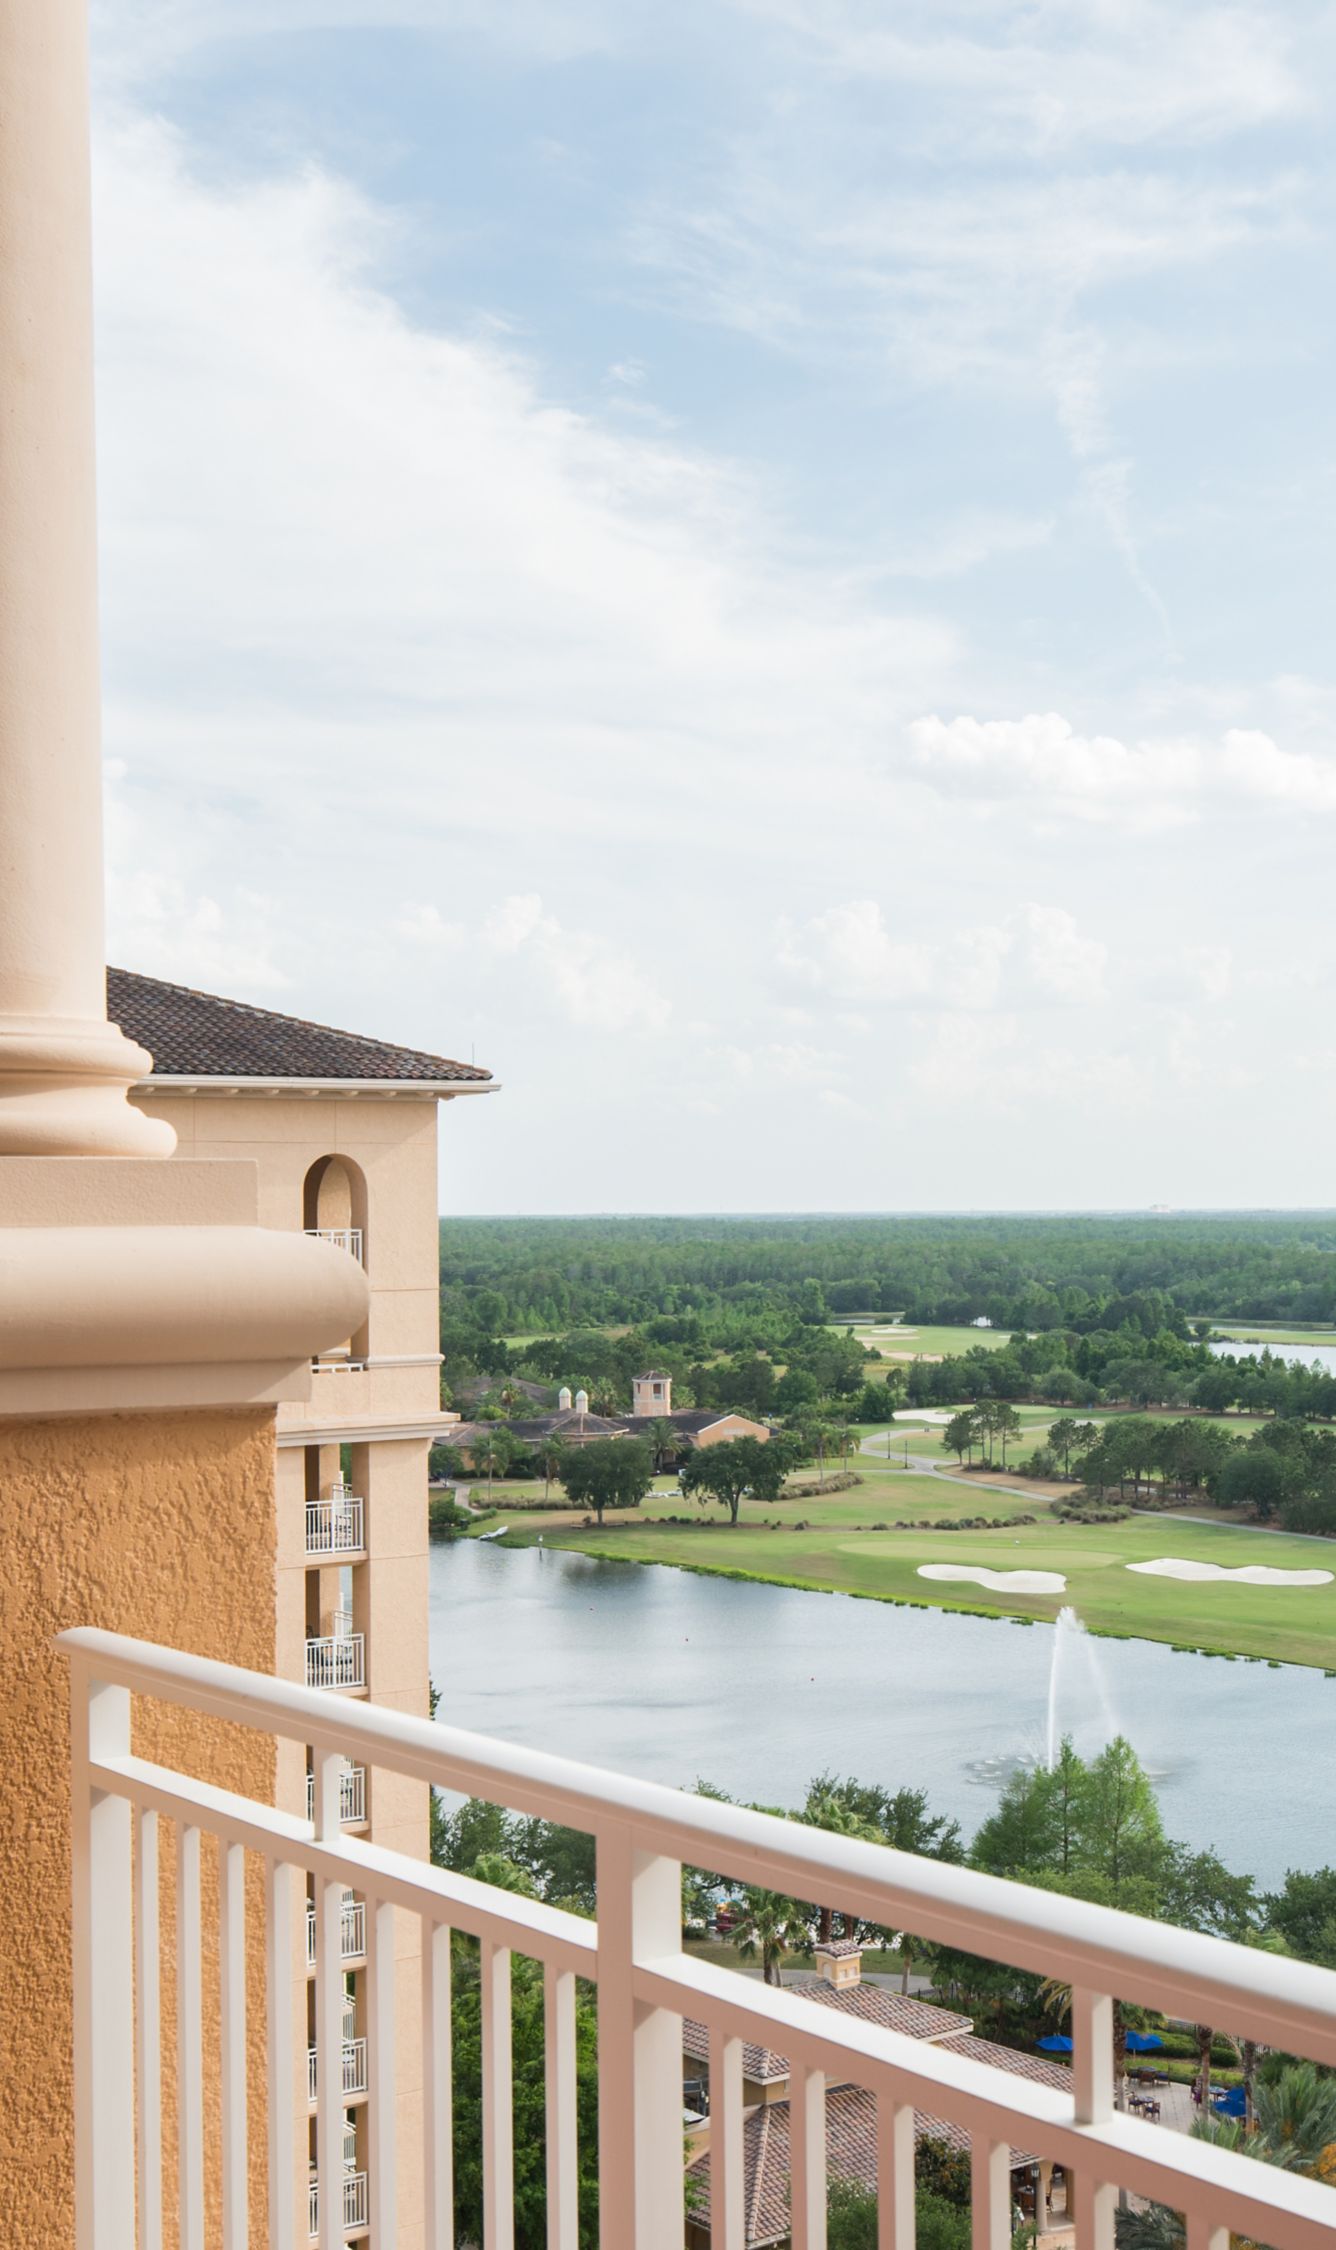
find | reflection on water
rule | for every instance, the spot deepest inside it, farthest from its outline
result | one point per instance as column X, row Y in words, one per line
column 675, row 1676
column 1324, row 1354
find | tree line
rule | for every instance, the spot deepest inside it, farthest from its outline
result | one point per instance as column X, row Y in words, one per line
column 509, row 1275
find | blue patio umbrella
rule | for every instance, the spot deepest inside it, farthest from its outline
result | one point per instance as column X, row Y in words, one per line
column 1055, row 2044
column 1143, row 2042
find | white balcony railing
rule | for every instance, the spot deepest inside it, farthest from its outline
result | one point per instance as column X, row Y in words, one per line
column 352, row 1796
column 336, row 1660
column 335, row 1526
column 343, row 1238
column 338, row 1366
column 352, row 1931
column 353, row 2187
column 645, row 1985
column 354, row 2070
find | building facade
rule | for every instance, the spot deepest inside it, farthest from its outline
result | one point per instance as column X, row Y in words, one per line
column 342, row 1132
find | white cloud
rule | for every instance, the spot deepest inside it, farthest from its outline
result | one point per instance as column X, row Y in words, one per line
column 594, row 982
column 1100, row 778
column 1037, row 956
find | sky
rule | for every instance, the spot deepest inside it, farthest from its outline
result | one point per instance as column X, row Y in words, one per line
column 762, row 568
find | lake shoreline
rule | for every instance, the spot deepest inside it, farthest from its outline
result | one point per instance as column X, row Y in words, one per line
column 624, row 1544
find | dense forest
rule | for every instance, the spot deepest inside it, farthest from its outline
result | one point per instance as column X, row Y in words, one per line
column 738, row 1275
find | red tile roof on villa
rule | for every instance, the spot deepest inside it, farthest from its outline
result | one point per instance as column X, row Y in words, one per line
column 201, row 1035
column 872, row 2003
column 851, row 2143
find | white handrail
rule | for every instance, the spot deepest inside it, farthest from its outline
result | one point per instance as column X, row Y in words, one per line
column 643, row 1833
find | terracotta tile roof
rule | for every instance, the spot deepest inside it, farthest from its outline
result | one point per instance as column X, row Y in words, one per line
column 893, row 2011
column 851, row 2144
column 760, row 2064
column 872, row 2003
column 199, row 1035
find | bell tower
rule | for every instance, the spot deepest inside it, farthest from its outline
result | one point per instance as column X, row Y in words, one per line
column 651, row 1395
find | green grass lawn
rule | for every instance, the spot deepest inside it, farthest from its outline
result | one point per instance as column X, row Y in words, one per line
column 1261, row 1332
column 1291, row 1624
column 937, row 1343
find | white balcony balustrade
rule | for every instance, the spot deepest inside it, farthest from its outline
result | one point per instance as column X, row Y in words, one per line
column 352, row 1931
column 354, row 2194
column 352, row 1796
column 354, row 2078
column 343, row 1238
column 335, row 1526
column 645, row 1986
column 336, row 1660
column 338, row 1366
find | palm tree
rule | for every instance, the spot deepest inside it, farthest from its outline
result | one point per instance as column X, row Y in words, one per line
column 491, row 1452
column 835, row 1816
column 771, row 1926
column 663, row 1439
column 549, row 1453
column 847, row 1440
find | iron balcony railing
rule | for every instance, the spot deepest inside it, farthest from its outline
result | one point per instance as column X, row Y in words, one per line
column 336, row 1660
column 352, row 1931
column 352, row 1796
column 353, row 2186
column 644, row 1834
column 343, row 1238
column 335, row 1526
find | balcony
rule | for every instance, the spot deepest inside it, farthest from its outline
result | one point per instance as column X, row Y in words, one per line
column 354, row 2080
column 352, row 1931
column 352, row 1796
column 353, row 2188
column 335, row 1526
column 336, row 1660
column 645, row 1984
column 343, row 1238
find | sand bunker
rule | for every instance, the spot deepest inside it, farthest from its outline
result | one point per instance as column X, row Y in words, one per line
column 919, row 1414
column 1251, row 1574
column 1000, row 1581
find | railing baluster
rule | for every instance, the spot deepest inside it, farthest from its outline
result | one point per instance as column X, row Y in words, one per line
column 380, row 2032
column 148, row 2034
column 103, row 1963
column 895, row 2175
column 807, row 2159
column 232, row 2028
column 189, row 2041
column 279, row 1971
column 1203, row 2234
column 498, row 2127
column 727, row 2209
column 437, row 2090
column 640, row 2189
column 1092, row 2201
column 329, row 2042
column 990, row 2194
column 563, row 2179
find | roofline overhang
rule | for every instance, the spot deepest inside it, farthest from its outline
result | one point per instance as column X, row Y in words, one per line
column 312, row 1089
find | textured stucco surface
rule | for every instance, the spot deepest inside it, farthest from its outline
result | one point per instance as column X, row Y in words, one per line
column 145, row 1524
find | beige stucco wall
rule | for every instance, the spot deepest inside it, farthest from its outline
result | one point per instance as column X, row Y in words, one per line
column 389, row 1147
column 384, row 1180
column 161, row 1526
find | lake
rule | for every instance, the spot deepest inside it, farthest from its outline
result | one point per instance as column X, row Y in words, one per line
column 674, row 1675
column 1324, row 1354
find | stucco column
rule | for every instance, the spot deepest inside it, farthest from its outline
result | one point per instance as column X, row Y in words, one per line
column 64, row 1070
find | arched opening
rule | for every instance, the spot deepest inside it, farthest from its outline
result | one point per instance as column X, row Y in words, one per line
column 334, row 1206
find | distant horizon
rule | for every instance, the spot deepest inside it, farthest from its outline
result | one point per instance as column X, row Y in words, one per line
column 942, row 1211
